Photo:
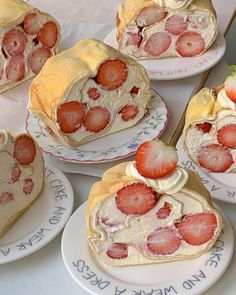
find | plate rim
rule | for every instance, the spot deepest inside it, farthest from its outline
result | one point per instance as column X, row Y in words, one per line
column 219, row 36
column 82, row 208
column 78, row 161
column 53, row 234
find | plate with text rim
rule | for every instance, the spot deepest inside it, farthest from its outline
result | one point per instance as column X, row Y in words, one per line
column 218, row 184
column 42, row 222
column 108, row 148
column 179, row 67
column 163, row 278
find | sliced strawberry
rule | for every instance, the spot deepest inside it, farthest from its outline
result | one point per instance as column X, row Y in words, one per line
column 157, row 43
column 14, row 42
column 24, row 149
column 32, row 23
column 199, row 19
column 164, row 212
column 163, row 241
column 38, row 58
column 215, row 158
column 135, row 199
column 28, row 186
column 70, row 116
column 150, row 15
column 96, row 119
column 128, row 112
column 118, row 251
column 199, row 228
column 93, row 93
column 230, row 87
column 6, row 197
column 227, row 135
column 112, row 74
column 176, row 25
column 48, row 34
column 15, row 68
column 154, row 159
column 205, row 127
column 134, row 90
column 190, row 44
column 15, row 173
column 134, row 39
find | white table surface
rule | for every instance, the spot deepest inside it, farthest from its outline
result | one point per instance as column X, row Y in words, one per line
column 44, row 272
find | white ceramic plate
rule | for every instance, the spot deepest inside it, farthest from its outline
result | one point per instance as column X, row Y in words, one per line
column 42, row 221
column 189, row 277
column 177, row 68
column 222, row 186
column 109, row 148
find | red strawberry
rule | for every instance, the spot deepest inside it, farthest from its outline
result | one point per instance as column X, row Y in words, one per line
column 70, row 116
column 190, row 44
column 96, row 119
column 198, row 228
column 163, row 241
column 230, row 87
column 198, row 19
column 32, row 23
column 93, row 93
column 150, row 15
column 134, row 39
column 48, row 34
column 215, row 158
column 24, row 149
column 14, row 42
column 118, row 251
column 176, row 25
column 227, row 135
column 38, row 58
column 112, row 74
column 205, row 127
column 128, row 112
column 157, row 43
column 6, row 197
column 135, row 199
column 15, row 68
column 134, row 90
column 164, row 212
column 154, row 159
column 15, row 173
column 28, row 186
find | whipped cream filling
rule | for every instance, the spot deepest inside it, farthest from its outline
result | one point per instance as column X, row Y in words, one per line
column 174, row 4
column 169, row 184
column 3, row 138
column 224, row 101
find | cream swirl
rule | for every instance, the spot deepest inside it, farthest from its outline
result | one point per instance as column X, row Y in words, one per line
column 3, row 138
column 174, row 4
column 225, row 101
column 170, row 184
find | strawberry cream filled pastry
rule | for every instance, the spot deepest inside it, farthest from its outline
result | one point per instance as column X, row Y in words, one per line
column 28, row 37
column 21, row 176
column 150, row 211
column 209, row 134
column 89, row 91
column 148, row 29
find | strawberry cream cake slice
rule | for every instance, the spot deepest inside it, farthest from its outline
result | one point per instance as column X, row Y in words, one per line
column 28, row 37
column 89, row 91
column 151, row 29
column 209, row 135
column 150, row 211
column 21, row 176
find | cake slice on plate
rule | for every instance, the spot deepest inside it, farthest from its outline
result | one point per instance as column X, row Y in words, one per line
column 89, row 91
column 209, row 135
column 150, row 211
column 28, row 37
column 21, row 176
column 152, row 29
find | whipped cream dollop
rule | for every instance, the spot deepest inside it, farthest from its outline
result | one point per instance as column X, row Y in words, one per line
column 3, row 138
column 225, row 101
column 174, row 4
column 169, row 184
